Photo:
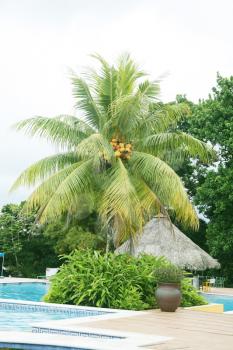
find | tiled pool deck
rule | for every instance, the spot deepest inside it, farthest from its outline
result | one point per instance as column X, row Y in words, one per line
column 190, row 330
column 223, row 291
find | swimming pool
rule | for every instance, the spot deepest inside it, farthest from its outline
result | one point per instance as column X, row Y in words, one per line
column 31, row 325
column 23, row 291
column 227, row 301
column 20, row 316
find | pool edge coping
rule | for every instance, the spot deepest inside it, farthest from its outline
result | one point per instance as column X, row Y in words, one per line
column 68, row 306
column 15, row 280
column 230, row 312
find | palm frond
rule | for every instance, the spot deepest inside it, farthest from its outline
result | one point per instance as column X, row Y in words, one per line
column 149, row 202
column 162, row 117
column 166, row 184
column 95, row 146
column 168, row 115
column 149, row 89
column 120, row 205
column 42, row 194
column 127, row 111
column 57, row 194
column 86, row 102
column 127, row 75
column 79, row 124
column 82, row 205
column 174, row 158
column 56, row 130
column 172, row 141
column 44, row 168
column 105, row 83
column 125, row 118
column 78, row 182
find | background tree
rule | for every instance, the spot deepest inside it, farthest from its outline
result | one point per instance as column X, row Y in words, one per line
column 215, row 199
column 211, row 187
column 28, row 253
column 75, row 233
column 31, row 247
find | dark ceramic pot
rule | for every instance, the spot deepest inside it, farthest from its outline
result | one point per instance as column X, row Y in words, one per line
column 168, row 296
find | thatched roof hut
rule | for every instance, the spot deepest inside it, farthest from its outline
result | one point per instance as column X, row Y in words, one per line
column 161, row 238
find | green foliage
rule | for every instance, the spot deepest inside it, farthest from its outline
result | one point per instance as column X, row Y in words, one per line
column 78, row 231
column 216, row 201
column 190, row 297
column 212, row 118
column 198, row 237
column 117, row 102
column 112, row 281
column 211, row 187
column 68, row 238
column 36, row 255
column 169, row 274
column 31, row 247
column 105, row 280
column 28, row 252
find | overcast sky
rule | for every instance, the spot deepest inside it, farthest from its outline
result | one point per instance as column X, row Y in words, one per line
column 41, row 39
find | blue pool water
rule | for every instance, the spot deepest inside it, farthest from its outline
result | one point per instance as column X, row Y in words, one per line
column 23, row 291
column 19, row 316
column 227, row 301
column 21, row 321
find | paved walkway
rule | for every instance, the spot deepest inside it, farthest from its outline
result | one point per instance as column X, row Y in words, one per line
column 191, row 330
column 225, row 291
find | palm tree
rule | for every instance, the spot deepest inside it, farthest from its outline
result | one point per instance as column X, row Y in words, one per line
column 117, row 155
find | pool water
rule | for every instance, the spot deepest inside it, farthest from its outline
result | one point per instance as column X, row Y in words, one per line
column 227, row 301
column 20, row 316
column 23, row 291
column 21, row 321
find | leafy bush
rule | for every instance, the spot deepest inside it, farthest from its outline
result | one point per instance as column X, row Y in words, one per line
column 169, row 274
column 113, row 281
column 190, row 297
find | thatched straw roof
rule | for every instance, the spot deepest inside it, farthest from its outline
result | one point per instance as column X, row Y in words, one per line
column 161, row 238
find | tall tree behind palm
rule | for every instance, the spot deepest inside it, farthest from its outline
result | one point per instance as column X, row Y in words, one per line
column 116, row 155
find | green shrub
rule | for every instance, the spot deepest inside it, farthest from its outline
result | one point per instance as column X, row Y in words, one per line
column 190, row 297
column 112, row 281
column 169, row 274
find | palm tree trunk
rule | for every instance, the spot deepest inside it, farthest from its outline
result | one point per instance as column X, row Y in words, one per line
column 131, row 245
column 14, row 251
column 108, row 238
column 107, row 244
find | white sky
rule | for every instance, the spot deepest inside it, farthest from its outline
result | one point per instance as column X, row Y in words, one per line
column 41, row 39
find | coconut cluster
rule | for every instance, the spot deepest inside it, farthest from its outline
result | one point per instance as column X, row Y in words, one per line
column 122, row 150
